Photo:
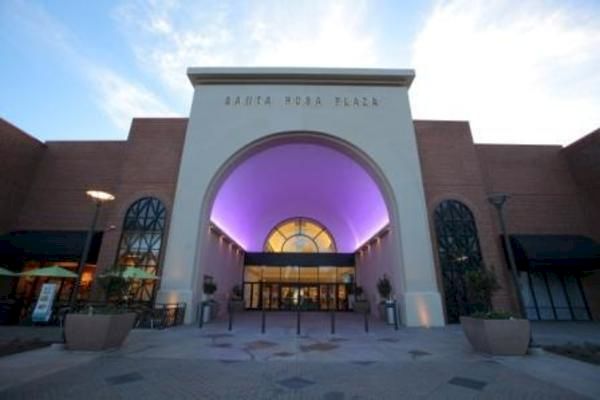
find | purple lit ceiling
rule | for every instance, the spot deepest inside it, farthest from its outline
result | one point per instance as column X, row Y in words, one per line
column 299, row 180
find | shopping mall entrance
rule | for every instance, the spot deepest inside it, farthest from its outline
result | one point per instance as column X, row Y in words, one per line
column 300, row 268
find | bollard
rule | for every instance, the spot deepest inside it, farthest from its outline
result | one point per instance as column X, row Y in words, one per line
column 264, row 321
column 333, row 322
column 366, row 321
column 230, row 309
column 297, row 320
column 201, row 320
column 395, row 316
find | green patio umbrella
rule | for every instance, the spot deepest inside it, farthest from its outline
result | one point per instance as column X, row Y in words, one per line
column 131, row 273
column 7, row 272
column 53, row 271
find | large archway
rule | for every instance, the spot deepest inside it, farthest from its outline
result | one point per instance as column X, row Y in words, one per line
column 305, row 176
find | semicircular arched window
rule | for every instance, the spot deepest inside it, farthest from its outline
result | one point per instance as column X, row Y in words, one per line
column 458, row 251
column 300, row 235
column 141, row 242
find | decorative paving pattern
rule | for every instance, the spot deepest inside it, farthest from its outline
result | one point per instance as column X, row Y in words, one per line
column 418, row 353
column 338, row 339
column 295, row 383
column 388, row 340
column 283, row 354
column 318, row 347
column 364, row 363
column 259, row 345
column 467, row 383
column 125, row 378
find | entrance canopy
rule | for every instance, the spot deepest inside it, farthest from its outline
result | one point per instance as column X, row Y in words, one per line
column 299, row 180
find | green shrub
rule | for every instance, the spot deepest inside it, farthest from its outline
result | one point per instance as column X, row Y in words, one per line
column 384, row 287
column 481, row 285
column 492, row 315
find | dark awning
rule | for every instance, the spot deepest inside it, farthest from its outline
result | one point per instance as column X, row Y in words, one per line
column 300, row 259
column 559, row 252
column 48, row 245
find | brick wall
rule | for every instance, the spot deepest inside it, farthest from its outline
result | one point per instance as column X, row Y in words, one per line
column 149, row 167
column 583, row 158
column 57, row 199
column 451, row 170
column 19, row 158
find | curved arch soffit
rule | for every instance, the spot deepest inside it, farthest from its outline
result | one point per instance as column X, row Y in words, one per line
column 360, row 211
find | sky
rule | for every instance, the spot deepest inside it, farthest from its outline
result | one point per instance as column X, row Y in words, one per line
column 521, row 71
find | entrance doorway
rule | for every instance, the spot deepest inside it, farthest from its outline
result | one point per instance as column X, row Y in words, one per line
column 291, row 288
column 299, row 269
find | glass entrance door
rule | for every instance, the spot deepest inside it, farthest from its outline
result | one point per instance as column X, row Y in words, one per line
column 289, row 288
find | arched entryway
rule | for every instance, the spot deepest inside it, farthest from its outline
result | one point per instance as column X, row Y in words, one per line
column 310, row 198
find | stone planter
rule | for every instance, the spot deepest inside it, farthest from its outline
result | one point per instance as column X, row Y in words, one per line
column 503, row 337
column 361, row 306
column 98, row 331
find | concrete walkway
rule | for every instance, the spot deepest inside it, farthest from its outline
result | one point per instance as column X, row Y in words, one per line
column 213, row 363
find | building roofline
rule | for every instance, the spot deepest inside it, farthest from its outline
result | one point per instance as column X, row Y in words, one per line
column 300, row 76
column 21, row 131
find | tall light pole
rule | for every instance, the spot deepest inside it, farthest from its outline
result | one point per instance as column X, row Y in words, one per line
column 98, row 197
column 498, row 200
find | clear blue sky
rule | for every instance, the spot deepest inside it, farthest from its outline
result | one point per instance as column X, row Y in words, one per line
column 520, row 71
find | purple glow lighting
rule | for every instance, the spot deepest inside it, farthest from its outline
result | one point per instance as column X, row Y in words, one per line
column 299, row 180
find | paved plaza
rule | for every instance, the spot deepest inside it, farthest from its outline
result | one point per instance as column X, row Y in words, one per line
column 215, row 363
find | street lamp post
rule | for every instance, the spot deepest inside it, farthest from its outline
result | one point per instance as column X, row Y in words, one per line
column 98, row 197
column 498, row 200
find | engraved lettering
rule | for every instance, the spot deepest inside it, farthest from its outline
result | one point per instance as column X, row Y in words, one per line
column 375, row 102
column 268, row 101
column 228, row 100
column 318, row 101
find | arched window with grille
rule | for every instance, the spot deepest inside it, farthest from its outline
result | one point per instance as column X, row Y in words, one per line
column 458, row 251
column 300, row 235
column 141, row 242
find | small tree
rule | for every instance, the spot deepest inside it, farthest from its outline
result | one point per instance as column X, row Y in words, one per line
column 236, row 292
column 358, row 292
column 481, row 285
column 384, row 287
column 209, row 287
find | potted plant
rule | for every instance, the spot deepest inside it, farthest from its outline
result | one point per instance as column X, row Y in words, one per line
column 489, row 331
column 209, row 309
column 387, row 304
column 102, row 328
column 361, row 305
column 236, row 302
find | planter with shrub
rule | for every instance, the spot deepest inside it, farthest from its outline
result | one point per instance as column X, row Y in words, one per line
column 209, row 305
column 361, row 305
column 488, row 331
column 387, row 304
column 236, row 302
column 102, row 328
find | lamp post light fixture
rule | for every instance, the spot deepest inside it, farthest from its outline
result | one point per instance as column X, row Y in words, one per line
column 498, row 200
column 98, row 197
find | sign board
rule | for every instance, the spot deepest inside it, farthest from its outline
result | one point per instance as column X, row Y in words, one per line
column 43, row 307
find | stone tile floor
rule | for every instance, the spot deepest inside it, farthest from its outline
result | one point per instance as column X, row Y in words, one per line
column 213, row 363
